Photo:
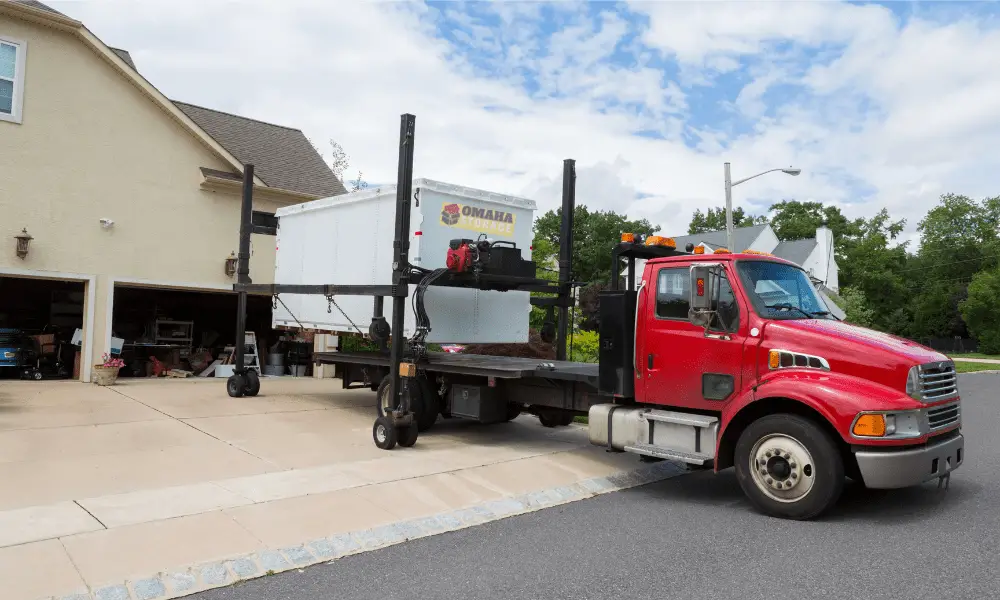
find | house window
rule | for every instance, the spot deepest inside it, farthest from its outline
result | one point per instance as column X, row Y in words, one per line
column 11, row 78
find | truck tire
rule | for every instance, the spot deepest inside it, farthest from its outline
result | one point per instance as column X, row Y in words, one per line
column 789, row 467
column 384, row 433
column 252, row 383
column 430, row 405
column 555, row 418
column 382, row 405
column 425, row 417
column 407, row 436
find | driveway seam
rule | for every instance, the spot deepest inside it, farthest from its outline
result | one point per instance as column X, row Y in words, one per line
column 251, row 454
column 92, row 516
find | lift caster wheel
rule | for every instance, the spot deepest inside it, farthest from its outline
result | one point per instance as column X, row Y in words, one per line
column 384, row 433
column 408, row 434
column 252, row 387
column 236, row 386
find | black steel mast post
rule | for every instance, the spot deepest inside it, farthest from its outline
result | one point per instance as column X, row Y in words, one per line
column 401, row 255
column 566, row 254
column 243, row 268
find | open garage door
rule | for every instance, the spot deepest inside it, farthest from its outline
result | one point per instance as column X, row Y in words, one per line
column 38, row 320
column 162, row 329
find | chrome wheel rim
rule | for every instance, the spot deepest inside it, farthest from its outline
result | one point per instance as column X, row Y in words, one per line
column 782, row 468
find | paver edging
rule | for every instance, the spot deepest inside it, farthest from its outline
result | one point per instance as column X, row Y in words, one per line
column 234, row 570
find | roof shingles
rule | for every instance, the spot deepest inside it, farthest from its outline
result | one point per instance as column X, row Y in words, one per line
column 796, row 251
column 743, row 237
column 282, row 157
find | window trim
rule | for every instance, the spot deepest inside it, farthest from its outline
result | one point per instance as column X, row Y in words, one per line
column 656, row 292
column 19, row 64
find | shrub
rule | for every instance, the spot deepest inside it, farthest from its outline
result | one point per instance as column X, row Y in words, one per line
column 981, row 310
column 585, row 346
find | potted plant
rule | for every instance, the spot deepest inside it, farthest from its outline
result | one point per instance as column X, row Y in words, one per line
column 107, row 372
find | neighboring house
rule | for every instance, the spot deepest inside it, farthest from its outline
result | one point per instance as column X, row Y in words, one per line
column 814, row 254
column 130, row 198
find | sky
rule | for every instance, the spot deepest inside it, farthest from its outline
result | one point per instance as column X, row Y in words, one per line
column 881, row 105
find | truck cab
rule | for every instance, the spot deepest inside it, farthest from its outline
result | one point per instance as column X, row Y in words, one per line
column 737, row 362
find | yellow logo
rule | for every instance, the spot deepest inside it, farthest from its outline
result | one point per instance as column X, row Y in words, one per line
column 483, row 220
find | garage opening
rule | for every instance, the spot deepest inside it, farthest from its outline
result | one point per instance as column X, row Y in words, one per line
column 169, row 332
column 38, row 320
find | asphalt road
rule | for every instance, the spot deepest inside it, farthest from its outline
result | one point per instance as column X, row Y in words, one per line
column 695, row 537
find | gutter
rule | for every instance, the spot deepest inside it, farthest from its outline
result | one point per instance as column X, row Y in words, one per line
column 222, row 184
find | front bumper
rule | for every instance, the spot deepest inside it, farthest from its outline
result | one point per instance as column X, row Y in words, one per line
column 899, row 469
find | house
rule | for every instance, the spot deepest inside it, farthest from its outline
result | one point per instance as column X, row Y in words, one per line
column 120, row 207
column 814, row 254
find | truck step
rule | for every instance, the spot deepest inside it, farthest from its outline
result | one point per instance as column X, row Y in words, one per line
column 691, row 458
column 679, row 418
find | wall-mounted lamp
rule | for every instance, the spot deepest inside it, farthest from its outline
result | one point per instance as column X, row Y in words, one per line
column 231, row 264
column 22, row 243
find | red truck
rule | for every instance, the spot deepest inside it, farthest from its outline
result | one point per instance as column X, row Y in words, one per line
column 716, row 361
column 738, row 363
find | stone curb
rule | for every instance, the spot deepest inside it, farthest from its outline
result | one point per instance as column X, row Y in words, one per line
column 166, row 585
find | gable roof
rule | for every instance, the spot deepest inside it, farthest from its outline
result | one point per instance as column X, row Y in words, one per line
column 743, row 237
column 124, row 55
column 282, row 157
column 38, row 5
column 796, row 251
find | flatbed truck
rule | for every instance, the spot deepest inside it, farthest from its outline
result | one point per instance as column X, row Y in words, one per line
column 711, row 360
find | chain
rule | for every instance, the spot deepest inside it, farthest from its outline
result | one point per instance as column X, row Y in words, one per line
column 274, row 305
column 330, row 303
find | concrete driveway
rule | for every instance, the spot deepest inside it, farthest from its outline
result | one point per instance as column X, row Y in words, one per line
column 156, row 489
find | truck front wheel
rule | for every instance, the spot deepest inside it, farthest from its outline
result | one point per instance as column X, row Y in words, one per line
column 789, row 467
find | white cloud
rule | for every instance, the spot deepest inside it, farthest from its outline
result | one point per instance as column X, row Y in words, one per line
column 908, row 110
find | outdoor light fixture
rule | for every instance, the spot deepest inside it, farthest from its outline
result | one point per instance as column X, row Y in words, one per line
column 794, row 172
column 22, row 243
column 231, row 264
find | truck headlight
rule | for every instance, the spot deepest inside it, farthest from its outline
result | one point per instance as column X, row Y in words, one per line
column 913, row 388
column 902, row 424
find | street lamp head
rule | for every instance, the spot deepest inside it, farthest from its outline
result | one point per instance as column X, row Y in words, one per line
column 791, row 171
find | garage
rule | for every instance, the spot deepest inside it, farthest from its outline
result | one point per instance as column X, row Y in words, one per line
column 39, row 318
column 159, row 331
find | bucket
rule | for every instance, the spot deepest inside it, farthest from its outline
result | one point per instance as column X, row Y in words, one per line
column 105, row 375
column 277, row 359
column 297, row 370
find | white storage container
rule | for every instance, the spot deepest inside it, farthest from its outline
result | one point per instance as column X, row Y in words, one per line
column 347, row 239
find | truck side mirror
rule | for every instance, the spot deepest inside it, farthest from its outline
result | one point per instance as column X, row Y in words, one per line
column 704, row 281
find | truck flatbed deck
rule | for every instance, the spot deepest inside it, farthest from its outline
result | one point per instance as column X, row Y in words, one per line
column 504, row 367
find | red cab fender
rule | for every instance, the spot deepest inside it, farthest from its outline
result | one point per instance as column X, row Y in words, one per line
column 835, row 397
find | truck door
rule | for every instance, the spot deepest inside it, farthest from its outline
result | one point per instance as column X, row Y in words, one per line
column 682, row 366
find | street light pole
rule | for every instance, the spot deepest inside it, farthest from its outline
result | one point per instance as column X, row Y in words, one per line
column 729, row 197
column 729, row 209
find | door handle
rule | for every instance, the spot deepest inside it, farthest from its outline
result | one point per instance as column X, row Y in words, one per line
column 649, row 362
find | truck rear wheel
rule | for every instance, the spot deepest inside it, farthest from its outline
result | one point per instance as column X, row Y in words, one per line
column 789, row 467
column 423, row 402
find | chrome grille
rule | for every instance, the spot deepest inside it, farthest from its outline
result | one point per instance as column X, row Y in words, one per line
column 938, row 381
column 943, row 416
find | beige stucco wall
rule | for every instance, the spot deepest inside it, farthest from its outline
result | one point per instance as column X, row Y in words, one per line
column 91, row 145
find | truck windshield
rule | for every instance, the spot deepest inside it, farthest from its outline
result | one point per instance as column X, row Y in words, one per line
column 780, row 291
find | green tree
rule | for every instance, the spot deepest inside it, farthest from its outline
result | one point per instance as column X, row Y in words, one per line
column 856, row 307
column 870, row 263
column 794, row 220
column 980, row 310
column 714, row 219
column 959, row 239
column 595, row 233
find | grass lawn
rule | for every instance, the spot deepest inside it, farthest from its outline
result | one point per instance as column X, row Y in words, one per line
column 974, row 355
column 971, row 367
